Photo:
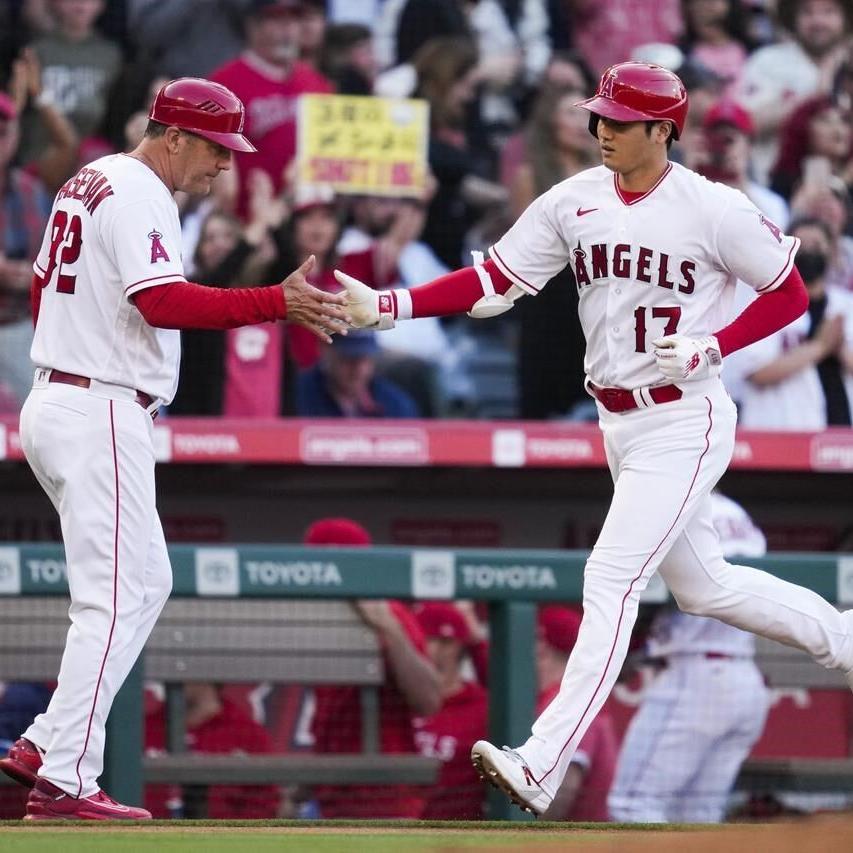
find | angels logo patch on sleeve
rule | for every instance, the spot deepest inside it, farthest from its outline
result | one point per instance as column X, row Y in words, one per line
column 774, row 229
column 158, row 250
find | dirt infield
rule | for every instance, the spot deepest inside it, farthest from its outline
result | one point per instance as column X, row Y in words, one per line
column 816, row 835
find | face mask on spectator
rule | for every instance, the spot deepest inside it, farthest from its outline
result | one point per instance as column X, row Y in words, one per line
column 812, row 265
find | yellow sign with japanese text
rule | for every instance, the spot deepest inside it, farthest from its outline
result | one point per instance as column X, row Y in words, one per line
column 363, row 145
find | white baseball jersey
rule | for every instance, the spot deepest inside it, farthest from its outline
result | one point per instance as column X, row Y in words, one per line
column 113, row 231
column 663, row 263
column 798, row 401
column 676, row 633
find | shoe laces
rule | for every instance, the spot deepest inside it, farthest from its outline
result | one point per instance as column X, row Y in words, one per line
column 103, row 796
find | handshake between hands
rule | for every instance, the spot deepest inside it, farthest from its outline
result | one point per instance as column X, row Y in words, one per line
column 325, row 314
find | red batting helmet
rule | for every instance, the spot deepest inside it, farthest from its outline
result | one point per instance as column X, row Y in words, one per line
column 202, row 107
column 638, row 91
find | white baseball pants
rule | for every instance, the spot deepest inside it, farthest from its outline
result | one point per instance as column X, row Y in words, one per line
column 665, row 460
column 683, row 749
column 91, row 450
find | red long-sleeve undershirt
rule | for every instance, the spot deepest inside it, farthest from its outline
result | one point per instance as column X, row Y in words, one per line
column 765, row 315
column 458, row 291
column 455, row 292
column 185, row 305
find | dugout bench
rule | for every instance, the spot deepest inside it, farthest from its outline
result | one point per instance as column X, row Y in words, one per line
column 232, row 641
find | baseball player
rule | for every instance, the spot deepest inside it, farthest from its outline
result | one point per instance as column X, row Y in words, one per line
column 656, row 250
column 704, row 711
column 109, row 296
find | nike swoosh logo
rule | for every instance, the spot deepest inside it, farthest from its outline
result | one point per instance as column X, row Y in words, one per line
column 584, row 212
column 112, row 808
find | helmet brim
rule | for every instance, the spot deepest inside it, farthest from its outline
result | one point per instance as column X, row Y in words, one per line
column 234, row 141
column 618, row 112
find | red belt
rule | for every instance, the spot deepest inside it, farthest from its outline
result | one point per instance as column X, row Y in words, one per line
column 622, row 400
column 144, row 400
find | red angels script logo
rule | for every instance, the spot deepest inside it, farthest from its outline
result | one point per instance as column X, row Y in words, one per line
column 158, row 251
column 775, row 230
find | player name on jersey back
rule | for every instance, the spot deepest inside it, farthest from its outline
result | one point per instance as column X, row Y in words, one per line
column 89, row 186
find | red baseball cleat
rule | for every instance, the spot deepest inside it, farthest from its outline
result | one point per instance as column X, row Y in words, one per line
column 47, row 802
column 22, row 762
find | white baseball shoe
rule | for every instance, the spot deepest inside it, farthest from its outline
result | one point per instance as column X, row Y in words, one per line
column 507, row 771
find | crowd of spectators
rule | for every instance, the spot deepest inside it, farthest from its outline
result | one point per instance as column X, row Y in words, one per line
column 771, row 89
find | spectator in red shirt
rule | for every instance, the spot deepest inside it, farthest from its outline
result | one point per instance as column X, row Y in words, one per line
column 269, row 78
column 583, row 793
column 215, row 724
column 411, row 689
column 461, row 720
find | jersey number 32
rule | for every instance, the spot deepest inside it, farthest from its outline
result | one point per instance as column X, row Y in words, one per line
column 65, row 244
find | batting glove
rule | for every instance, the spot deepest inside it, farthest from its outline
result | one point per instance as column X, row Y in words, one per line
column 368, row 308
column 681, row 359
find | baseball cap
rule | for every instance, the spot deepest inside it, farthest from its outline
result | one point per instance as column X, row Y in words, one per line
column 8, row 110
column 729, row 112
column 336, row 531
column 356, row 344
column 269, row 8
column 558, row 626
column 440, row 619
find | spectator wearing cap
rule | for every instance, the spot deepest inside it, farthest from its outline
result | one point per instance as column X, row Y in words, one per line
column 778, row 77
column 583, row 793
column 461, row 720
column 344, row 383
column 24, row 208
column 729, row 131
column 411, row 689
column 269, row 78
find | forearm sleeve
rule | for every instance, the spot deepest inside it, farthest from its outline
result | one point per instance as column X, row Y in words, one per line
column 185, row 305
column 455, row 292
column 765, row 315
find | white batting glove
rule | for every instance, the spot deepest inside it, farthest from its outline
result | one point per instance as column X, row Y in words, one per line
column 368, row 308
column 681, row 359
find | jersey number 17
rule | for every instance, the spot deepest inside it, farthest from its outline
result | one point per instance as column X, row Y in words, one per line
column 672, row 315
